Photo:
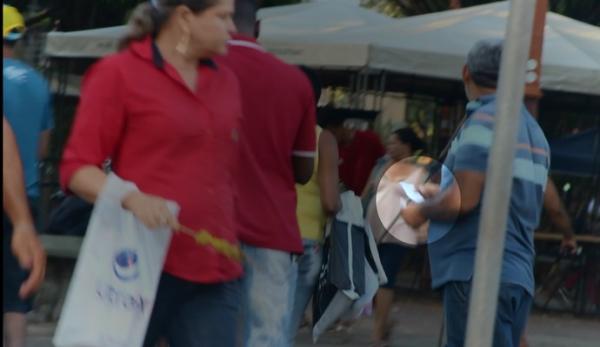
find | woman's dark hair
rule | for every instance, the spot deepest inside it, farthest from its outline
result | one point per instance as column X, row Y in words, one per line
column 329, row 117
column 149, row 17
column 408, row 136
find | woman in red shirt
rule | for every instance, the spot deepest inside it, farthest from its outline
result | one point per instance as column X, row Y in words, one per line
column 167, row 116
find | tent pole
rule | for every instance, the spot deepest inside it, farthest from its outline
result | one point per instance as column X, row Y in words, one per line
column 595, row 193
column 374, row 95
column 498, row 185
column 357, row 89
column 364, row 90
column 352, row 89
column 382, row 83
column 533, row 93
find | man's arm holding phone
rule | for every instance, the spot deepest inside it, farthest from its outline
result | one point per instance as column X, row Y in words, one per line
column 463, row 195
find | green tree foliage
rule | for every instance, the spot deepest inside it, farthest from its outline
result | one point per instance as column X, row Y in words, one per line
column 583, row 10
column 85, row 14
column 70, row 15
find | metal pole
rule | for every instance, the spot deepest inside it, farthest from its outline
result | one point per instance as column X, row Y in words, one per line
column 533, row 93
column 498, row 185
column 362, row 99
column 351, row 89
column 382, row 85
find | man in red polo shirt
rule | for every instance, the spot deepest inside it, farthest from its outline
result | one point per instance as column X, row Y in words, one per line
column 277, row 141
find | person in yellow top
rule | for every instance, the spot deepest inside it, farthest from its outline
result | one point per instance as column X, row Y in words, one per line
column 317, row 200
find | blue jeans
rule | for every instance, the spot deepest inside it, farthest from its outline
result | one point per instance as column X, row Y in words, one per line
column 194, row 314
column 269, row 285
column 514, row 303
column 309, row 265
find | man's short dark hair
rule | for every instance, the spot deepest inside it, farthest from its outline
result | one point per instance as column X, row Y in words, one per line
column 483, row 62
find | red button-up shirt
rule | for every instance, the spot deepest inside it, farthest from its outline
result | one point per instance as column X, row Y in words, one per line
column 279, row 122
column 170, row 141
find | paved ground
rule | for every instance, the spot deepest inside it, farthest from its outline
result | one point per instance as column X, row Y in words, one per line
column 419, row 322
column 418, row 325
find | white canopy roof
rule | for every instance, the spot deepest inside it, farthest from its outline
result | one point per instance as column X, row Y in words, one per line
column 318, row 33
column 93, row 43
column 432, row 45
column 339, row 34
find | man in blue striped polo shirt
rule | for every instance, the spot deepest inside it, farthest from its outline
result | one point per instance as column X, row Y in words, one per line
column 455, row 212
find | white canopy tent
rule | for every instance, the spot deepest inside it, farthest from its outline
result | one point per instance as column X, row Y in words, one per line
column 93, row 43
column 339, row 34
column 433, row 45
column 317, row 33
column 298, row 25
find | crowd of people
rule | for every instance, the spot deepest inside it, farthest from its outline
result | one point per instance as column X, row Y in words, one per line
column 192, row 109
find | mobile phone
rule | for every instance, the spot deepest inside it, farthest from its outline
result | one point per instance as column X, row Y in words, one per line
column 412, row 193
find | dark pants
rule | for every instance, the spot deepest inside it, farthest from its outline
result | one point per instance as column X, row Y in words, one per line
column 514, row 303
column 391, row 255
column 194, row 315
column 13, row 275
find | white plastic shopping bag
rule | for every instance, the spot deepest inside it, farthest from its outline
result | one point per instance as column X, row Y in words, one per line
column 112, row 291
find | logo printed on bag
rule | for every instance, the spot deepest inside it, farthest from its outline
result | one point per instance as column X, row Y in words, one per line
column 125, row 265
column 118, row 298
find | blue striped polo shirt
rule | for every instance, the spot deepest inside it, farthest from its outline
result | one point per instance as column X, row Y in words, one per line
column 452, row 245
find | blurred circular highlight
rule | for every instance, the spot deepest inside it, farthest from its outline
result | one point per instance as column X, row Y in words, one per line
column 413, row 180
